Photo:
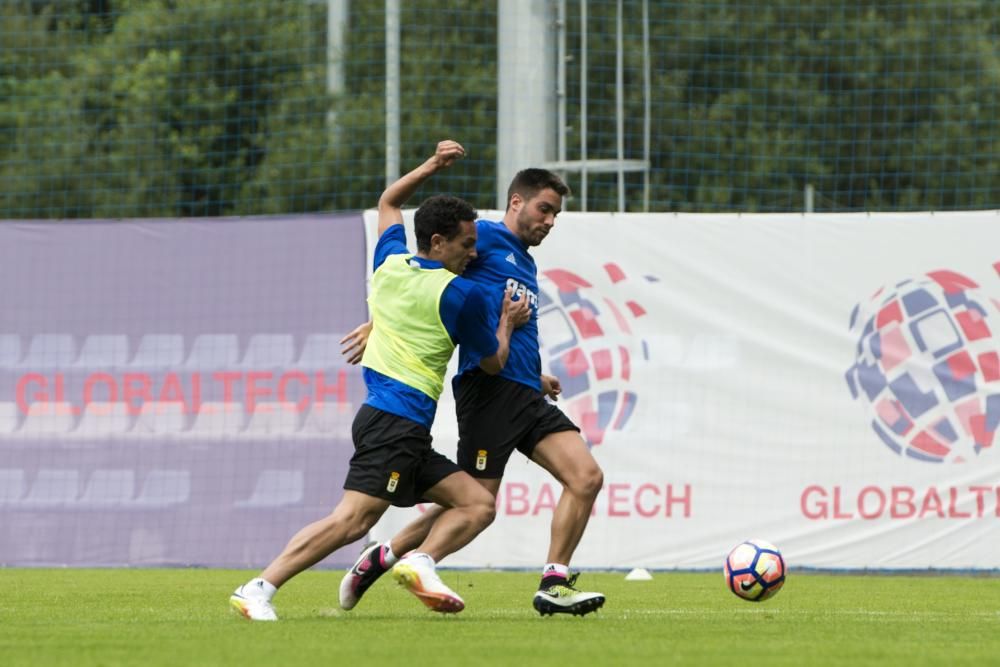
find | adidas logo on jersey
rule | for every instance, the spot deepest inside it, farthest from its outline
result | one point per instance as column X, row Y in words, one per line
column 510, row 258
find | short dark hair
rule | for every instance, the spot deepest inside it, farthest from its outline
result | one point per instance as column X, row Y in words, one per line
column 529, row 182
column 440, row 214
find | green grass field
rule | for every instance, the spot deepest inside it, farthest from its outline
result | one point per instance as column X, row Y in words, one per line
column 181, row 617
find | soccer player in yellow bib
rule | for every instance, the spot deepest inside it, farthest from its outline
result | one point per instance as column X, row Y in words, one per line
column 421, row 309
column 506, row 412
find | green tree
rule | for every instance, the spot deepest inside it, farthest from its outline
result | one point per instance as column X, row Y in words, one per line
column 879, row 106
column 183, row 107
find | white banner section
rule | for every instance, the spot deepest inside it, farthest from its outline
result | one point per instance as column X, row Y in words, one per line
column 829, row 383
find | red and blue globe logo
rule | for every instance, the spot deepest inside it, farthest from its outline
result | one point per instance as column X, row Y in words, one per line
column 927, row 366
column 588, row 339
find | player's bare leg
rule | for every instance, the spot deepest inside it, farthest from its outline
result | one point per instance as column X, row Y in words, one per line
column 468, row 510
column 566, row 456
column 376, row 559
column 350, row 520
column 415, row 532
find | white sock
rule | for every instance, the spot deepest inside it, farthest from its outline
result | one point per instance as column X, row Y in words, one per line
column 389, row 557
column 419, row 554
column 259, row 588
column 555, row 569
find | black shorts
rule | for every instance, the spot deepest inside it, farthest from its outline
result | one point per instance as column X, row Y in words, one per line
column 393, row 458
column 497, row 416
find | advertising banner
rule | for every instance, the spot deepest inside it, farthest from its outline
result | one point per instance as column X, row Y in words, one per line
column 829, row 383
column 172, row 391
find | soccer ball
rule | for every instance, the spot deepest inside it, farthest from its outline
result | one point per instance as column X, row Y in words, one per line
column 755, row 570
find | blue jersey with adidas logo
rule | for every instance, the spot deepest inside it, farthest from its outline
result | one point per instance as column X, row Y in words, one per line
column 503, row 261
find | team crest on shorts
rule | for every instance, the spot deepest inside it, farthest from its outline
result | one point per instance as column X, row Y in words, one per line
column 393, row 482
column 481, row 460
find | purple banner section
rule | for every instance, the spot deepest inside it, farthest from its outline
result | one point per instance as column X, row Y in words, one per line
column 172, row 391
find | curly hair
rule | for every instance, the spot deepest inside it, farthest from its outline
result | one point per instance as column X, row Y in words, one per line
column 440, row 214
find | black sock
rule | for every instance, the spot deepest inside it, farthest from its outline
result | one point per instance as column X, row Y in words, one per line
column 375, row 558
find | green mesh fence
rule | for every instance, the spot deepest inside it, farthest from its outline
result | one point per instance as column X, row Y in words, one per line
column 135, row 108
column 876, row 105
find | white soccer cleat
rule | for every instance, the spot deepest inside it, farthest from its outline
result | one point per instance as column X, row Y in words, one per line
column 253, row 607
column 416, row 573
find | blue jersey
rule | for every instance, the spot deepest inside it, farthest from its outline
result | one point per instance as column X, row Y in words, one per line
column 467, row 313
column 503, row 261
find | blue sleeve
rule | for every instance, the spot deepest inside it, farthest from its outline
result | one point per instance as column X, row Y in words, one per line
column 468, row 314
column 392, row 242
column 477, row 325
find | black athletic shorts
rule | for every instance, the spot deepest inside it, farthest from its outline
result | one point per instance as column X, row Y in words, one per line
column 497, row 416
column 393, row 458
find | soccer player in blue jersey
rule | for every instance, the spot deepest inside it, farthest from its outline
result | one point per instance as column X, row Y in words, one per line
column 498, row 414
column 421, row 309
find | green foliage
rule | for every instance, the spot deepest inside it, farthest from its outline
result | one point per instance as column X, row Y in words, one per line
column 174, row 112
column 879, row 106
column 122, row 108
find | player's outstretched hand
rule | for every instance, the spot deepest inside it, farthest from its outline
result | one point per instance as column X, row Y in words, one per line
column 354, row 343
column 447, row 152
column 551, row 387
column 518, row 312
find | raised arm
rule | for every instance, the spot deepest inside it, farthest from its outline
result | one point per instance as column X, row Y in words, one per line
column 391, row 202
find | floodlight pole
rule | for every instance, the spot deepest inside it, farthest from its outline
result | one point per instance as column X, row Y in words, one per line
column 620, row 105
column 337, row 12
column 392, row 112
column 526, row 104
